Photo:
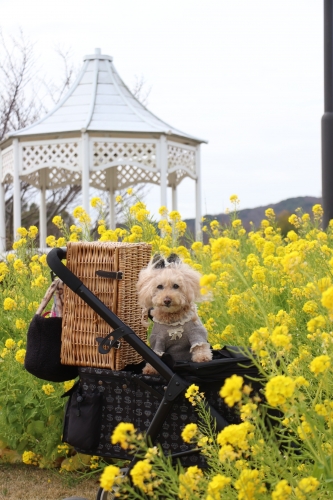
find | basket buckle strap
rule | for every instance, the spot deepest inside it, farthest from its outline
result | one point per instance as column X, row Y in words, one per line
column 115, row 275
column 105, row 344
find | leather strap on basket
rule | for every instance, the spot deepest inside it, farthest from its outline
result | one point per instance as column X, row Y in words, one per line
column 115, row 275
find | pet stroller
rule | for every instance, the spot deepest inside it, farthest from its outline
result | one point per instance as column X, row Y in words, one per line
column 156, row 405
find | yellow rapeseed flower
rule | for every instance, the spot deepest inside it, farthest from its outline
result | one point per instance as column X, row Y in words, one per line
column 20, row 355
column 30, row 458
column 9, row 304
column 141, row 475
column 234, row 199
column 68, row 385
column 57, row 221
column 51, row 241
column 317, row 211
column 110, row 477
column 48, row 389
column 215, row 485
column 10, row 343
column 123, row 434
column 249, row 485
column 282, row 491
column 236, row 223
column 95, row 202
column 21, row 231
column 269, row 213
column 306, row 486
column 163, row 211
column 188, row 482
column 279, row 389
column 320, row 364
column 188, row 433
column 33, row 231
column 231, row 391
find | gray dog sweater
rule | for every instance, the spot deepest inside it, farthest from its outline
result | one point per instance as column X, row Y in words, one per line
column 178, row 339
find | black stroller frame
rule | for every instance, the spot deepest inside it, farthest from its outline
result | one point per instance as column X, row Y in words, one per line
column 176, row 385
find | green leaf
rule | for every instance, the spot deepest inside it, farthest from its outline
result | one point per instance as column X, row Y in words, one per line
column 36, row 428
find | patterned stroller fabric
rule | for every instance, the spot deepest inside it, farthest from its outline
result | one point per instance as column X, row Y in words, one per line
column 104, row 398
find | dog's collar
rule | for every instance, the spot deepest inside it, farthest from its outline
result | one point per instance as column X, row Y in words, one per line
column 181, row 322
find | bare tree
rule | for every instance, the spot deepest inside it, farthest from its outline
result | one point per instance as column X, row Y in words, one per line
column 20, row 105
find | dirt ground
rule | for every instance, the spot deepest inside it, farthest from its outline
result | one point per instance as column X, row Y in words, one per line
column 26, row 482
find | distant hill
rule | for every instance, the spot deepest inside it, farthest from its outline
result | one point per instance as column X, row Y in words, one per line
column 282, row 210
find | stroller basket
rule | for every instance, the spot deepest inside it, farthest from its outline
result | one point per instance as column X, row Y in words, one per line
column 107, row 398
column 155, row 405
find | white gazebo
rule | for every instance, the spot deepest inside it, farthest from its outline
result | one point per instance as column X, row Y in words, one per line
column 101, row 136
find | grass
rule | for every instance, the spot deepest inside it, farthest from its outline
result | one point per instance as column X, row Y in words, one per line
column 27, row 482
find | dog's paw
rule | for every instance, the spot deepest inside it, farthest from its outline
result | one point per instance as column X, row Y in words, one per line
column 149, row 370
column 201, row 353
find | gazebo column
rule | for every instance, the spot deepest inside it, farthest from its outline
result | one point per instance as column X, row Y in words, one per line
column 174, row 197
column 198, row 216
column 85, row 171
column 42, row 209
column 2, row 212
column 16, row 189
column 163, row 169
column 112, row 201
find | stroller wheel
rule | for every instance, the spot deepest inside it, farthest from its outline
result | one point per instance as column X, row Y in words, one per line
column 105, row 495
column 110, row 495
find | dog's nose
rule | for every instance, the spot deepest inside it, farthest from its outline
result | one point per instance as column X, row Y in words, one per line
column 167, row 301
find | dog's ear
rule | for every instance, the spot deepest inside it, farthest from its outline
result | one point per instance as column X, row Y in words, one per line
column 158, row 261
column 143, row 287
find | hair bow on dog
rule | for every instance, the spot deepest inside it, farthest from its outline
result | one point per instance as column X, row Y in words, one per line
column 160, row 262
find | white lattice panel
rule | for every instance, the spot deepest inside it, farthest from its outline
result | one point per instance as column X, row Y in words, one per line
column 129, row 175
column 180, row 175
column 60, row 177
column 98, row 179
column 181, row 156
column 7, row 164
column 32, row 179
column 112, row 153
column 50, row 154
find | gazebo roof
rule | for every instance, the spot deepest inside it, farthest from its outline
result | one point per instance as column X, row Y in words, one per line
column 100, row 101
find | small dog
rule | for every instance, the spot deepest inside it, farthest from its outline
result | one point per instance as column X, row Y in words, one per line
column 168, row 288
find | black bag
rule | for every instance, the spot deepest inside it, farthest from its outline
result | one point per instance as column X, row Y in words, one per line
column 42, row 358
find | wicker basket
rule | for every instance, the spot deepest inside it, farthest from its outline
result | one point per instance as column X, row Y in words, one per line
column 81, row 324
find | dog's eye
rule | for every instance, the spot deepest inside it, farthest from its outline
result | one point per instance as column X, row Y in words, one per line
column 175, row 286
column 160, row 287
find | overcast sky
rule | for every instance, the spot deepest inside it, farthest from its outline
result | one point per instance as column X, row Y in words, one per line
column 246, row 75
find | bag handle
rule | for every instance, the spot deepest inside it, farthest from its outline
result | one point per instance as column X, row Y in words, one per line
column 48, row 295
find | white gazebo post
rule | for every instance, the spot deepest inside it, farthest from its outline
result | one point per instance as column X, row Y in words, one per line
column 198, row 234
column 100, row 136
column 85, row 171
column 2, row 212
column 163, row 157
column 110, row 173
column 42, row 210
column 17, row 188
column 174, row 197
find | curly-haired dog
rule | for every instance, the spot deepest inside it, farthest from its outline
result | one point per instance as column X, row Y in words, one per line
column 170, row 288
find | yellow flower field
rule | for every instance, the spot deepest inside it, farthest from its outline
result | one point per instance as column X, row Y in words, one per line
column 261, row 290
